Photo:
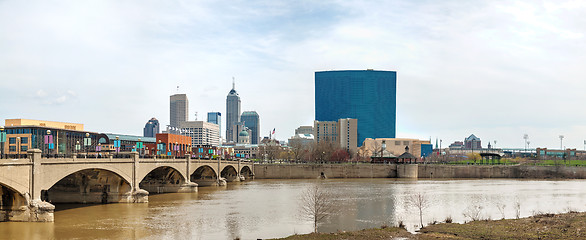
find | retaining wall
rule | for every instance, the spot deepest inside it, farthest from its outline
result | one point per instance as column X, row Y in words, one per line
column 301, row 171
column 421, row 171
column 498, row 171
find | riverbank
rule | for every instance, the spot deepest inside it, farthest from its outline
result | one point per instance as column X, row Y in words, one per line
column 544, row 226
column 421, row 171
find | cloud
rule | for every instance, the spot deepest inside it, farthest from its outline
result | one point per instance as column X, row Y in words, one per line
column 499, row 69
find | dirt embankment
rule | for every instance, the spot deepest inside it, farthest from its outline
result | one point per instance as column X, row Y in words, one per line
column 545, row 226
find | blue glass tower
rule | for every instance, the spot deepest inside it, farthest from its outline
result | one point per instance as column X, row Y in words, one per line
column 252, row 121
column 367, row 95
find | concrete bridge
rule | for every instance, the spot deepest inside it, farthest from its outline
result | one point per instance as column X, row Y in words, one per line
column 29, row 186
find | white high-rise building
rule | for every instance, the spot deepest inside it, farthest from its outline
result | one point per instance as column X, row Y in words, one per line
column 201, row 132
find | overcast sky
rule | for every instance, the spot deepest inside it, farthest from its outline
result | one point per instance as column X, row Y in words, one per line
column 498, row 69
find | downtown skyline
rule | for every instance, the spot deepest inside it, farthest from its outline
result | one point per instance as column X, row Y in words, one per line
column 498, row 70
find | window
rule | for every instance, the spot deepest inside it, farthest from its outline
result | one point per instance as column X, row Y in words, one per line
column 405, row 142
column 23, row 148
column 12, row 148
column 12, row 140
column 397, row 143
column 24, row 140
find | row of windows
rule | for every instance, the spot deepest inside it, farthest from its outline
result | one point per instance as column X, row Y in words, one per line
column 23, row 148
column 23, row 140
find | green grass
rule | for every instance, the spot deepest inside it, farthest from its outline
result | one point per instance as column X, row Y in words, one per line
column 549, row 162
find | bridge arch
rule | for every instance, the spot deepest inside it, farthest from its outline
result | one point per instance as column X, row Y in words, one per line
column 20, row 188
column 230, row 173
column 55, row 176
column 246, row 172
column 162, row 179
column 90, row 185
column 10, row 200
column 204, row 176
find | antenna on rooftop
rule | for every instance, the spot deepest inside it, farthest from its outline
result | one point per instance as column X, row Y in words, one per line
column 233, row 83
column 195, row 116
column 177, row 89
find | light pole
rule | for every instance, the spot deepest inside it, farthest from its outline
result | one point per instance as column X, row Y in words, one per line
column 139, row 147
column 525, row 136
column 176, row 149
column 87, row 141
column 117, row 144
column 77, row 147
column 440, row 150
column 18, row 147
column 3, row 139
column 561, row 142
column 48, row 141
column 159, row 148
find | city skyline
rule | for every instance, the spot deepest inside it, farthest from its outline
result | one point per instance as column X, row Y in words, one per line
column 498, row 70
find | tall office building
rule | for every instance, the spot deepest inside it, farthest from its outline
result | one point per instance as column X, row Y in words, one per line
column 232, row 114
column 252, row 121
column 366, row 95
column 179, row 109
column 151, row 128
column 216, row 118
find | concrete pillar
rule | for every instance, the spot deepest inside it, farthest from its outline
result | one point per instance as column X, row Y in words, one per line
column 134, row 156
column 136, row 195
column 407, row 170
column 34, row 209
column 35, row 181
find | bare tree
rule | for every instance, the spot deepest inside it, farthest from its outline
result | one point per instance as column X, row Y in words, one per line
column 420, row 202
column 474, row 210
column 500, row 205
column 317, row 203
column 517, row 208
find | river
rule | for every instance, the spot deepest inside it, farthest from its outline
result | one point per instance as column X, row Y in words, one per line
column 271, row 208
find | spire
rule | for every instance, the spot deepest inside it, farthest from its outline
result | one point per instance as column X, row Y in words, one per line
column 233, row 84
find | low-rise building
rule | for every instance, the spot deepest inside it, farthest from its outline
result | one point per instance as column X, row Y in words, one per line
column 395, row 146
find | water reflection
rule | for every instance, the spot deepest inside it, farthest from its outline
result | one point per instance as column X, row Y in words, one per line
column 270, row 208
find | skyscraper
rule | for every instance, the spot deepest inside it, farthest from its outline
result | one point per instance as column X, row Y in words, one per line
column 252, row 121
column 179, row 108
column 216, row 118
column 232, row 113
column 366, row 95
column 151, row 128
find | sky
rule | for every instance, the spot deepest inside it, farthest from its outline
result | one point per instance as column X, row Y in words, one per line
column 496, row 69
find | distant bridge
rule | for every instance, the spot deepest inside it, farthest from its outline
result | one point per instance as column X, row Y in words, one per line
column 29, row 186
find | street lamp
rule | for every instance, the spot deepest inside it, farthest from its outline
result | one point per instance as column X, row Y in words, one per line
column 176, row 150
column 87, row 141
column 3, row 139
column 18, row 147
column 77, row 147
column 117, row 144
column 139, row 147
column 48, row 141
column 159, row 148
column 99, row 148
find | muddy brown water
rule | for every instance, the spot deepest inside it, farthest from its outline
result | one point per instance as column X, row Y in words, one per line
column 271, row 208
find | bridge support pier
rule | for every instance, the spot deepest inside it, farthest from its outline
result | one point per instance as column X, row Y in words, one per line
column 137, row 196
column 32, row 208
column 188, row 187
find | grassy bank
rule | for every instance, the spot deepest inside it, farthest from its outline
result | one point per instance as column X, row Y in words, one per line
column 544, row 226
